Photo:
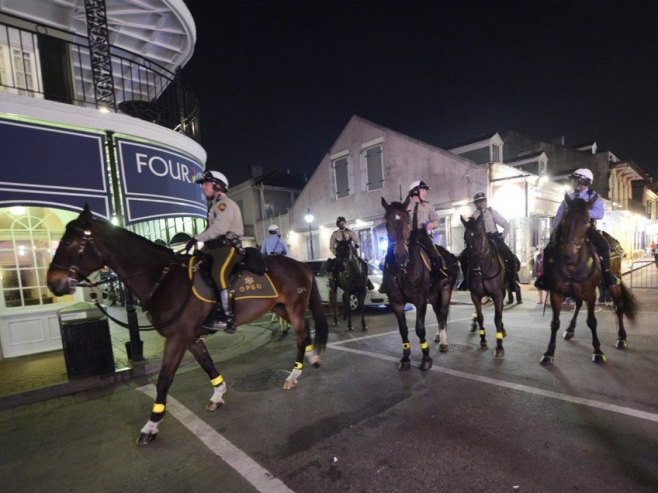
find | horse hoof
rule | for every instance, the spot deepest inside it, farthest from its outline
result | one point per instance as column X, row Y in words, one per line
column 499, row 353
column 474, row 328
column 426, row 364
column 404, row 365
column 289, row 385
column 364, row 329
column 546, row 360
column 599, row 358
column 568, row 335
column 484, row 345
column 350, row 329
column 213, row 406
column 146, row 438
column 443, row 348
column 621, row 344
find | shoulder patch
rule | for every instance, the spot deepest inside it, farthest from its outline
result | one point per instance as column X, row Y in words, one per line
column 222, row 206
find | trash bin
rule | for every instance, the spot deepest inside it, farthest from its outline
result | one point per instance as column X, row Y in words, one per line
column 86, row 341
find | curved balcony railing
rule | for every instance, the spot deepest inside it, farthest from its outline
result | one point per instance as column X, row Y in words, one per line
column 47, row 64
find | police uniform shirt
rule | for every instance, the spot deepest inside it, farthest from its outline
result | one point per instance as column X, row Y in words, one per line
column 273, row 244
column 491, row 219
column 596, row 212
column 340, row 235
column 223, row 216
column 426, row 214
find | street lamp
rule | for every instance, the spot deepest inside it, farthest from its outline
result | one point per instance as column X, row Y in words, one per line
column 309, row 219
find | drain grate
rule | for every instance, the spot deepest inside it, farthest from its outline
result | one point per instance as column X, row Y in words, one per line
column 461, row 348
column 257, row 382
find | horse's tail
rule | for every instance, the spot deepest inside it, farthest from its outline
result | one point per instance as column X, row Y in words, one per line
column 320, row 319
column 629, row 302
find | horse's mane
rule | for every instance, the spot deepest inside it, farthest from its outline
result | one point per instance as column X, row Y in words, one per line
column 106, row 225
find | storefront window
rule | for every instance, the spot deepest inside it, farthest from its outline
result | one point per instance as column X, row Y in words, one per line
column 28, row 239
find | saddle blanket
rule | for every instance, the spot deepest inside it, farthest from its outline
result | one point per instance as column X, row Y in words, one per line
column 245, row 285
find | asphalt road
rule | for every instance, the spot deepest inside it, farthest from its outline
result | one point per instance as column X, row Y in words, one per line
column 470, row 424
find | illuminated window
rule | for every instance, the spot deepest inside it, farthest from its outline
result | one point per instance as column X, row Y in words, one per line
column 28, row 239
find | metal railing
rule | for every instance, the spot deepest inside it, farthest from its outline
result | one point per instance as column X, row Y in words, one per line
column 47, row 64
column 643, row 274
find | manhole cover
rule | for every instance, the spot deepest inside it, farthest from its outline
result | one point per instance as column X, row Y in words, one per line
column 460, row 348
column 264, row 380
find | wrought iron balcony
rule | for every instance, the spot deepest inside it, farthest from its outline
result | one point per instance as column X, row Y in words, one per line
column 47, row 64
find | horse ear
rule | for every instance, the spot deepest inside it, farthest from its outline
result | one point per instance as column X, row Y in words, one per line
column 462, row 219
column 567, row 199
column 86, row 213
column 406, row 202
column 592, row 200
column 384, row 203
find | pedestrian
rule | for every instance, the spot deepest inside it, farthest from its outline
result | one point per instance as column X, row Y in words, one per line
column 273, row 244
column 222, row 242
column 539, row 270
column 581, row 180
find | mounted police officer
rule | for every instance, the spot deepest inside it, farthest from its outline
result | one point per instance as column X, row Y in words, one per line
column 423, row 223
column 492, row 220
column 581, row 180
column 341, row 234
column 273, row 244
column 222, row 242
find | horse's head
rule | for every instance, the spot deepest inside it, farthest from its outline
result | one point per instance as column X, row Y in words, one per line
column 344, row 249
column 398, row 227
column 573, row 227
column 475, row 235
column 76, row 256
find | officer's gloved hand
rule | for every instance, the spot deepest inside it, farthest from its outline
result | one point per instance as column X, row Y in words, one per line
column 189, row 245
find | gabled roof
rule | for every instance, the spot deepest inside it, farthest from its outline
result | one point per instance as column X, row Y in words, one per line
column 283, row 179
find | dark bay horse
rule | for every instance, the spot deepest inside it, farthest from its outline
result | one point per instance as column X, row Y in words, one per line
column 407, row 279
column 486, row 277
column 575, row 272
column 352, row 278
column 160, row 279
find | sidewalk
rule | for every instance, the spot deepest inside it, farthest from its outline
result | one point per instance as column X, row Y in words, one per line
column 28, row 379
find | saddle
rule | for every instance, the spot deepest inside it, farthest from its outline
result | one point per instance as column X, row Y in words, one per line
column 248, row 280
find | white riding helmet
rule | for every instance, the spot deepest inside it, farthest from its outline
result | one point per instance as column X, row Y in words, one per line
column 583, row 175
column 213, row 177
column 416, row 186
column 273, row 228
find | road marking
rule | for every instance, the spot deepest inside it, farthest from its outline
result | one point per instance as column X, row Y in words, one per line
column 260, row 478
column 628, row 411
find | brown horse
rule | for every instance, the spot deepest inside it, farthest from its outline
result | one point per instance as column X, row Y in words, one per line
column 407, row 279
column 486, row 277
column 161, row 281
column 352, row 278
column 576, row 272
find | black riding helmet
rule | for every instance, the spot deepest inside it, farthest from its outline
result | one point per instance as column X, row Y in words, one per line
column 339, row 219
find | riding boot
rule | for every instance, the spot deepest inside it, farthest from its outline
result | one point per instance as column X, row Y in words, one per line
column 225, row 297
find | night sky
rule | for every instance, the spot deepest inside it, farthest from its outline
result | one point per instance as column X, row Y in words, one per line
column 278, row 80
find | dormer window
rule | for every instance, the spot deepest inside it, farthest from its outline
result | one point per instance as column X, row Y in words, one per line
column 495, row 153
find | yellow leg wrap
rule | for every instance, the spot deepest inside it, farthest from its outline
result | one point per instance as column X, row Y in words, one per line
column 499, row 335
column 482, row 332
column 406, row 345
column 308, row 348
column 424, row 345
column 216, row 381
column 158, row 408
column 298, row 365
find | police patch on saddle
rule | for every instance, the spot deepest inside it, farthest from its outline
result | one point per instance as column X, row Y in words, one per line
column 245, row 285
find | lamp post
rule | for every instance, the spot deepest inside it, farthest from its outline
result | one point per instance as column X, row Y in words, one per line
column 309, row 219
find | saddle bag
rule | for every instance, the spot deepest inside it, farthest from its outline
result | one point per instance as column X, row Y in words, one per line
column 254, row 261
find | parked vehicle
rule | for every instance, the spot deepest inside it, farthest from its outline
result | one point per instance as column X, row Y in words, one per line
column 373, row 296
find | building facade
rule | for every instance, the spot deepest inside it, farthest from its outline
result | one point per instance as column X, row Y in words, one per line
column 92, row 111
column 366, row 163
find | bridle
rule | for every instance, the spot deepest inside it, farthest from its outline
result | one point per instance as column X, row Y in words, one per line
column 475, row 257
